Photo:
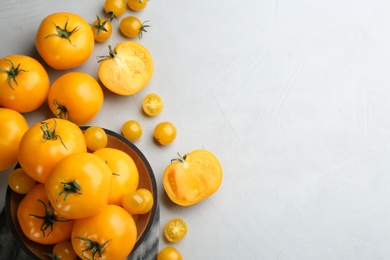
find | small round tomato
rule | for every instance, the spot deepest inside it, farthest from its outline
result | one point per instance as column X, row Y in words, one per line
column 114, row 8
column 127, row 69
column 149, row 200
column 75, row 96
column 12, row 128
column 63, row 251
column 39, row 221
column 24, row 83
column 165, row 133
column 175, row 229
column 79, row 185
column 125, row 175
column 134, row 202
column 102, row 29
column 95, row 138
column 46, row 143
column 193, row 177
column 132, row 27
column 64, row 40
column 169, row 253
column 152, row 104
column 132, row 130
column 109, row 234
column 137, row 5
column 20, row 182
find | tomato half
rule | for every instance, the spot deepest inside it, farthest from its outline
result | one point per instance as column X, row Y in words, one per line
column 152, row 104
column 109, row 234
column 64, row 40
column 46, row 143
column 78, row 185
column 128, row 68
column 12, row 127
column 125, row 175
column 75, row 96
column 24, row 83
column 39, row 221
column 175, row 229
column 193, row 177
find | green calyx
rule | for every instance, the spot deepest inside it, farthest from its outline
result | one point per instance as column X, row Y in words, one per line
column 69, row 188
column 64, row 32
column 12, row 73
column 48, row 219
column 94, row 247
column 49, row 134
column 143, row 29
column 99, row 26
column 112, row 54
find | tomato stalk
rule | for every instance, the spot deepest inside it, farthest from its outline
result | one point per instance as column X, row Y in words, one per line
column 69, row 188
column 62, row 110
column 50, row 135
column 48, row 219
column 100, row 26
column 181, row 159
column 94, row 247
column 112, row 54
column 12, row 73
column 64, row 33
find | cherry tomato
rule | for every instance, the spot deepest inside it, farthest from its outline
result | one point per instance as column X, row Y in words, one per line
column 109, row 234
column 64, row 40
column 165, row 133
column 24, row 83
column 102, row 29
column 132, row 27
column 137, row 5
column 152, row 104
column 79, row 185
column 95, row 138
column 20, row 182
column 169, row 253
column 12, row 127
column 193, row 177
column 128, row 68
column 75, row 96
column 114, row 8
column 149, row 200
column 39, row 221
column 132, row 130
column 175, row 229
column 63, row 251
column 134, row 202
column 45, row 143
column 125, row 175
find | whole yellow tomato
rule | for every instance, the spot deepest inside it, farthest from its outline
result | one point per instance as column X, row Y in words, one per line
column 46, row 143
column 125, row 175
column 24, row 83
column 78, row 186
column 109, row 234
column 12, row 127
column 102, row 29
column 64, row 40
column 137, row 5
column 193, row 177
column 127, row 69
column 75, row 96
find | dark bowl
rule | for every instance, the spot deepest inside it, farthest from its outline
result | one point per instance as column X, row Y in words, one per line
column 144, row 222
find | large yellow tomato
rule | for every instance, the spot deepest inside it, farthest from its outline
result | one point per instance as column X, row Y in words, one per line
column 12, row 127
column 24, row 83
column 64, row 40
column 127, row 69
column 75, row 96
column 46, row 143
column 193, row 177
column 78, row 185
column 125, row 175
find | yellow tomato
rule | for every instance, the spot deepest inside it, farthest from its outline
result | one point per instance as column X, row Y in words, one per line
column 137, row 5
column 175, row 229
column 132, row 130
column 127, row 69
column 12, row 127
column 20, row 182
column 193, row 177
column 169, row 253
column 102, row 29
column 132, row 27
column 64, row 40
column 152, row 104
column 165, row 133
column 95, row 138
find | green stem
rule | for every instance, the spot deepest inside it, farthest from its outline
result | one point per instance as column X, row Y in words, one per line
column 64, row 32
column 94, row 247
column 50, row 134
column 12, row 73
column 69, row 188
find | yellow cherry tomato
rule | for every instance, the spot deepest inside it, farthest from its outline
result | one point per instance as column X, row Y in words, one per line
column 169, row 253
column 149, row 200
column 165, row 133
column 20, row 182
column 175, row 229
column 132, row 27
column 102, row 29
column 132, row 130
column 95, row 138
column 152, row 104
column 134, row 202
column 114, row 8
column 137, row 5
column 63, row 251
column 128, row 68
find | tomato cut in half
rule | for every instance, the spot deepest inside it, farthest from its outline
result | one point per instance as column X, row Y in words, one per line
column 175, row 230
